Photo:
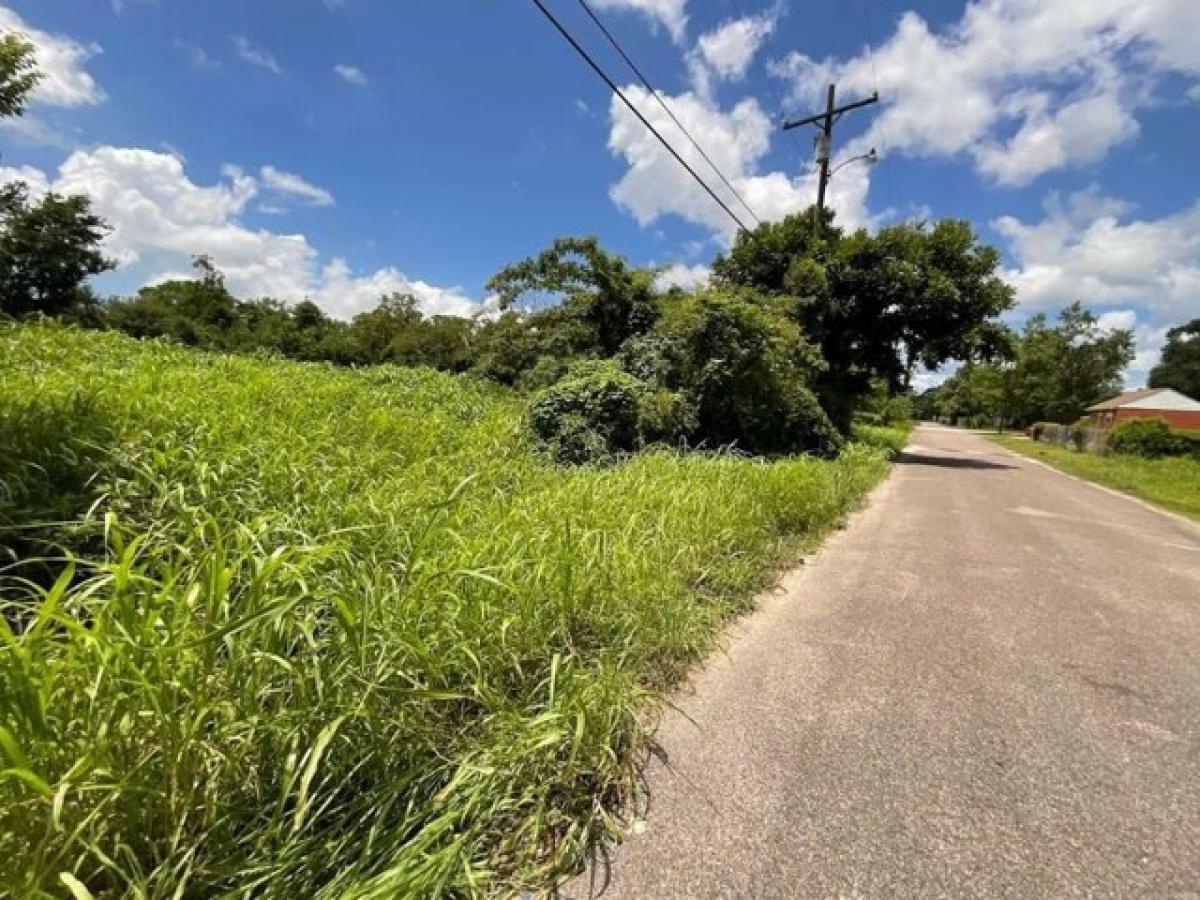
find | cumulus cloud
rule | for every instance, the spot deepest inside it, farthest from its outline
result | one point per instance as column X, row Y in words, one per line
column 61, row 61
column 1082, row 250
column 1020, row 86
column 255, row 55
column 160, row 218
column 683, row 276
column 668, row 13
column 35, row 179
column 287, row 183
column 1142, row 274
column 736, row 139
column 350, row 74
column 729, row 49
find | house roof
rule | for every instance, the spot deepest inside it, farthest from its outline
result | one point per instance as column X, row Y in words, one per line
column 1148, row 398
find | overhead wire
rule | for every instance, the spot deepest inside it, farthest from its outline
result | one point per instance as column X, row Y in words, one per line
column 667, row 109
column 612, row 85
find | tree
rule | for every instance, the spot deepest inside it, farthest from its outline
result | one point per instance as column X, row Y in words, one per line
column 373, row 332
column 198, row 312
column 1060, row 370
column 746, row 369
column 877, row 305
column 1179, row 367
column 47, row 251
column 18, row 74
column 1056, row 372
column 600, row 293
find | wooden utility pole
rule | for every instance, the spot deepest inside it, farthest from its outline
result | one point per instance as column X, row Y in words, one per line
column 824, row 122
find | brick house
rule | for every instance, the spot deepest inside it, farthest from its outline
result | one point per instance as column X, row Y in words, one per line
column 1176, row 409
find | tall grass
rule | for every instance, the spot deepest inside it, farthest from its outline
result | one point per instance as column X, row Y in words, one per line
column 890, row 438
column 306, row 632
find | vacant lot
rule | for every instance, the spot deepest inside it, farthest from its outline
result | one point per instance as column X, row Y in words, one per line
column 1172, row 483
column 306, row 632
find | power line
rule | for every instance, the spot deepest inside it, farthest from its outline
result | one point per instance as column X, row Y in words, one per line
column 663, row 103
column 616, row 90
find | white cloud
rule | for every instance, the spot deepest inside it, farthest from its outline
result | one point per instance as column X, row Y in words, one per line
column 683, row 276
column 351, row 74
column 31, row 129
column 36, row 179
column 160, row 218
column 288, row 183
column 255, row 55
column 1148, row 344
column 729, row 49
column 197, row 57
column 342, row 294
column 1021, row 86
column 1081, row 132
column 736, row 140
column 1082, row 250
column 1116, row 320
column 60, row 59
column 668, row 13
column 1142, row 274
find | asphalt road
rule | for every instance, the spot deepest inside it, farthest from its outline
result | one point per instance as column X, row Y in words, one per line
column 987, row 686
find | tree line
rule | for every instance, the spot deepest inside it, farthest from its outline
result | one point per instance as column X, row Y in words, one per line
column 1054, row 369
column 803, row 327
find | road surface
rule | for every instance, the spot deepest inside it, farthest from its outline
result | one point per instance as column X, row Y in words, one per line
column 987, row 686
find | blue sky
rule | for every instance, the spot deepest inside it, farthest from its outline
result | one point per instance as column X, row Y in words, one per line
column 339, row 149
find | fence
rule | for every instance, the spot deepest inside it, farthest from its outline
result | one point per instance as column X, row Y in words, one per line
column 1093, row 440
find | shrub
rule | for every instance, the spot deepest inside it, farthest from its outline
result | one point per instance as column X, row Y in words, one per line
column 591, row 415
column 746, row 370
column 665, row 417
column 1153, row 439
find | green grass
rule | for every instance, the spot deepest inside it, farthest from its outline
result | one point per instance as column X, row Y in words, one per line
column 278, row 629
column 1172, row 483
column 889, row 438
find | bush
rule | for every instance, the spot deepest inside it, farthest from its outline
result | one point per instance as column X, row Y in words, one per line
column 590, row 415
column 746, row 371
column 1153, row 439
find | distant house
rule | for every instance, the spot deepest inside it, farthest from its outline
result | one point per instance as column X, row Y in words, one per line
column 1176, row 409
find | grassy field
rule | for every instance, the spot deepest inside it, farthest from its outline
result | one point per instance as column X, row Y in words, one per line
column 1171, row 483
column 285, row 630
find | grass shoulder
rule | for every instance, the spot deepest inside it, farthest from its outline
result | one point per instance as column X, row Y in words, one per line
column 1172, row 483
column 331, row 632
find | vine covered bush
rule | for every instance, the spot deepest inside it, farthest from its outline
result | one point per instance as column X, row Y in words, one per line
column 1153, row 439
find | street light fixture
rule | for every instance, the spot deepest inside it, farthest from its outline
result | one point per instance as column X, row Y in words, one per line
column 870, row 158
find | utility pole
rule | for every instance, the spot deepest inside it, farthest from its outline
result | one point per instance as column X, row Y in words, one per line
column 824, row 122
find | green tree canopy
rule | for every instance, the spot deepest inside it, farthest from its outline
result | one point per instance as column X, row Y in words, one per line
column 1057, row 370
column 18, row 74
column 877, row 305
column 603, row 300
column 48, row 249
column 1179, row 367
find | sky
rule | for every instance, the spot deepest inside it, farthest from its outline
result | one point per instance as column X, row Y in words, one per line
column 343, row 149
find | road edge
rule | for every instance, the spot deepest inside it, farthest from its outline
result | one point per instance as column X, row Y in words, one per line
column 1178, row 518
